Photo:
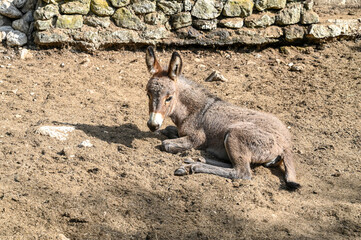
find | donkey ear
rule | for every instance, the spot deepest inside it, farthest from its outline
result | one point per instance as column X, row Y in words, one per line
column 175, row 66
column 151, row 61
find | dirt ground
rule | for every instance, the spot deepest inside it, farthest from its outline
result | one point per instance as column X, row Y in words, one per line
column 124, row 188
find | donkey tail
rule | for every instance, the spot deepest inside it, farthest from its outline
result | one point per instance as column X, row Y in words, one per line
column 290, row 172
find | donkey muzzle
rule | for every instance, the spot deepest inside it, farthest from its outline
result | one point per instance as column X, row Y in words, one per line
column 155, row 121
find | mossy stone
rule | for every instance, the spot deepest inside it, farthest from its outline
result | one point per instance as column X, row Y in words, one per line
column 101, row 8
column 125, row 18
column 238, row 8
column 69, row 21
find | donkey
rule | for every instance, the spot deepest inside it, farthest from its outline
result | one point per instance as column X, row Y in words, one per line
column 238, row 135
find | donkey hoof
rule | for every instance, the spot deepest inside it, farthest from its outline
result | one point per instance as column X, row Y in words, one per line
column 181, row 172
column 188, row 160
column 201, row 160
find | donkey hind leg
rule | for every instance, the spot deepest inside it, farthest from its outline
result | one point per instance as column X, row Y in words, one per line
column 239, row 157
column 199, row 167
column 209, row 161
column 170, row 132
column 290, row 172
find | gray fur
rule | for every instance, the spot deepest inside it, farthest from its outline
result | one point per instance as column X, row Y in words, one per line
column 239, row 135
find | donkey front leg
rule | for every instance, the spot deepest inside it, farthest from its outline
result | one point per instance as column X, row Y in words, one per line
column 170, row 132
column 177, row 145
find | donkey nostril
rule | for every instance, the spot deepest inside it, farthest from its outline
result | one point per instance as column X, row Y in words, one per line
column 152, row 126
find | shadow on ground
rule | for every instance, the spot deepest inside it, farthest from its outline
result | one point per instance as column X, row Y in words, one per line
column 121, row 134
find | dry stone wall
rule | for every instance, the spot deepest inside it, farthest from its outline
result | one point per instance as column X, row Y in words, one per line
column 104, row 23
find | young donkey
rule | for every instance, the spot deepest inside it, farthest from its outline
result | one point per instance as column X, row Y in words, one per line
column 239, row 135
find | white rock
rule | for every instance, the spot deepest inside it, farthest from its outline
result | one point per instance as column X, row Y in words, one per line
column 25, row 54
column 58, row 132
column 8, row 9
column 16, row 38
column 216, row 76
column 85, row 143
column 61, row 237
column 4, row 30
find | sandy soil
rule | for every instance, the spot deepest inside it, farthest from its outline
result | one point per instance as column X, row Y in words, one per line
column 124, row 188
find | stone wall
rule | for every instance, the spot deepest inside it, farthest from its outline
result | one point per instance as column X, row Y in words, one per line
column 105, row 23
column 16, row 21
column 348, row 3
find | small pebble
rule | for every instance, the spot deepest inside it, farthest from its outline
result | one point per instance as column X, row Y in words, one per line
column 202, row 66
column 25, row 54
column 85, row 143
column 296, row 68
column 216, row 76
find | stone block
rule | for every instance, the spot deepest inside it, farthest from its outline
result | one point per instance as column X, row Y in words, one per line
column 16, row 39
column 320, row 31
column 8, row 9
column 126, row 18
column 234, row 23
column 308, row 4
column 276, row 4
column 42, row 25
column 294, row 32
column 120, row 3
column 96, row 21
column 21, row 25
column 4, row 30
column 69, row 21
column 260, row 5
column 309, row 17
column 155, row 18
column 205, row 24
column 188, row 32
column 19, row 3
column 47, row 38
column 29, row 6
column 170, row 7
column 180, row 20
column 155, row 32
column 259, row 20
column 188, row 5
column 143, row 7
column 46, row 12
column 76, row 7
column 124, row 36
column 207, row 9
column 289, row 15
column 238, row 8
column 348, row 26
column 101, row 8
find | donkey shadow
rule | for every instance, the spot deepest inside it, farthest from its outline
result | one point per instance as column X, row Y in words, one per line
column 120, row 134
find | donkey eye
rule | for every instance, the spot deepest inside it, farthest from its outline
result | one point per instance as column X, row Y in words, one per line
column 168, row 99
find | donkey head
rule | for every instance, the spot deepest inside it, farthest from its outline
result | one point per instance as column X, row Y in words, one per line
column 161, row 88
